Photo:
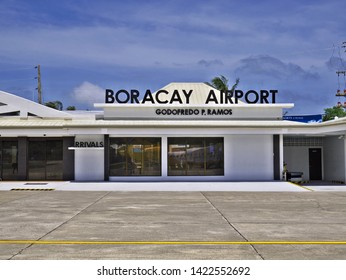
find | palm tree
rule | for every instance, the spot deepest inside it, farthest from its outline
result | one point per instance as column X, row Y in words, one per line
column 55, row 105
column 221, row 83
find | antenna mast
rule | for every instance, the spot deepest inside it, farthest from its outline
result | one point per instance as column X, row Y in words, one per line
column 39, row 88
column 339, row 92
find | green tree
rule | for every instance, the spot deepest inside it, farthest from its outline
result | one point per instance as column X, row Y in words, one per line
column 221, row 83
column 331, row 113
column 71, row 108
column 54, row 104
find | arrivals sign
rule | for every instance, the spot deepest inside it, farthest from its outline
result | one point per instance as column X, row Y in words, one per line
column 132, row 96
column 88, row 141
column 88, row 144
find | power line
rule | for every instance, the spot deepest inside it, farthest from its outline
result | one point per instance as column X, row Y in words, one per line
column 15, row 69
column 14, row 80
column 38, row 78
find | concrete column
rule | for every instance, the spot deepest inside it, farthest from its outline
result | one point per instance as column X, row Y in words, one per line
column 68, row 159
column 281, row 144
column 22, row 158
column 106, row 156
column 164, row 157
column 276, row 157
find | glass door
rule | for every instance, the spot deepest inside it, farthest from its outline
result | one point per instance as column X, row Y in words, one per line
column 9, row 160
column 45, row 160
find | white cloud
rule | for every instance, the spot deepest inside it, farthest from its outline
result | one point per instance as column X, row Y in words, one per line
column 88, row 94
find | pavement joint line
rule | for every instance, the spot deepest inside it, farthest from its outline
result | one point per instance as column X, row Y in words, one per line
column 81, row 211
column 232, row 226
column 70, row 242
column 65, row 222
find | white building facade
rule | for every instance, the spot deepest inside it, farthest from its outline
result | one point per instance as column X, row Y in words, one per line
column 173, row 138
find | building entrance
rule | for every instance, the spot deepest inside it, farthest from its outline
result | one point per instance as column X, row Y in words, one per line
column 9, row 160
column 315, row 163
column 45, row 160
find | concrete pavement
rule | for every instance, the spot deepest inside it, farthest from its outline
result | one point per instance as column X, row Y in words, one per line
column 272, row 186
column 172, row 216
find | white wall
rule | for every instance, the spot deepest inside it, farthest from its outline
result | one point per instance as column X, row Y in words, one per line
column 249, row 157
column 297, row 160
column 246, row 157
column 89, row 161
column 89, row 164
column 334, row 158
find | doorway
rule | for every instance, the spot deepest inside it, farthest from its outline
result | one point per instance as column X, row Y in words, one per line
column 315, row 163
column 45, row 160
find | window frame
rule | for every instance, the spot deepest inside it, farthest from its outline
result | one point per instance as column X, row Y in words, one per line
column 204, row 140
column 127, row 163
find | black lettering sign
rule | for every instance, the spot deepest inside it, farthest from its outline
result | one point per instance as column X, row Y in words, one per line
column 211, row 98
column 109, row 96
column 134, row 96
column 264, row 96
column 273, row 92
column 163, row 97
column 219, row 112
column 193, row 112
column 176, row 97
column 158, row 98
column 227, row 97
column 251, row 94
column 237, row 95
column 119, row 96
column 187, row 96
column 148, row 97
column 88, row 144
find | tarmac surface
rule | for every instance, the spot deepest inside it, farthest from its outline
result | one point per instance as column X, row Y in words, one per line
column 60, row 224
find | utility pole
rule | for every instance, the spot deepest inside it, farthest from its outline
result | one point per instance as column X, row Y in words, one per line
column 39, row 88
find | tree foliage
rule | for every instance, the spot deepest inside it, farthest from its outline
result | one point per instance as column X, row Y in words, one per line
column 221, row 83
column 58, row 105
column 331, row 113
column 55, row 105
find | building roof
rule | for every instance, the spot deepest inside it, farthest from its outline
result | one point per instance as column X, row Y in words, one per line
column 14, row 105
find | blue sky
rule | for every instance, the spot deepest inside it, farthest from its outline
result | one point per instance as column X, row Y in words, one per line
column 84, row 47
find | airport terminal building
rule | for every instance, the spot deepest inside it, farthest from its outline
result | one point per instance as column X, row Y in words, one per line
column 182, row 132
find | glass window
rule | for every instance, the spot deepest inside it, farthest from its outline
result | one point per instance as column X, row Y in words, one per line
column 45, row 160
column 9, row 160
column 192, row 156
column 54, row 160
column 135, row 156
column 214, row 156
column 37, row 160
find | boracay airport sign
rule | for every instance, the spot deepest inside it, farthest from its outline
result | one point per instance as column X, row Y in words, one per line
column 132, row 96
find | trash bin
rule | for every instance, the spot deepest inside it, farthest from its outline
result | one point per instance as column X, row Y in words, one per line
column 295, row 176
